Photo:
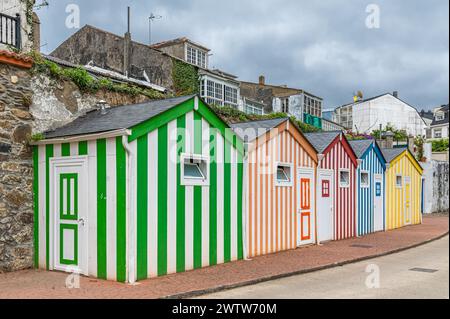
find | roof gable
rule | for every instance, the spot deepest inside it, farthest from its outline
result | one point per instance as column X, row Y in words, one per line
column 394, row 155
column 121, row 117
column 262, row 132
column 323, row 142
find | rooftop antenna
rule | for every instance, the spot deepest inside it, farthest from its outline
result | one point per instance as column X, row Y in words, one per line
column 151, row 18
column 128, row 21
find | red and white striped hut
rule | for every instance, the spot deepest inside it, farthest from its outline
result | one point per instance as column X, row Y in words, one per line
column 336, row 186
column 279, row 169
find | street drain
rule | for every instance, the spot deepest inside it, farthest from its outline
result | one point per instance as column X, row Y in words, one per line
column 424, row 270
column 361, row 246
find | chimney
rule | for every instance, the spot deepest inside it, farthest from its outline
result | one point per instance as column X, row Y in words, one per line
column 262, row 80
column 36, row 33
column 127, row 48
column 395, row 94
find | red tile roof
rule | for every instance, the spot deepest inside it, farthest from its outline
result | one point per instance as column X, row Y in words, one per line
column 15, row 59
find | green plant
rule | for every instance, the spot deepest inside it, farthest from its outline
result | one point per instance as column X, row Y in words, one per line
column 399, row 135
column 232, row 115
column 185, row 78
column 37, row 137
column 418, row 142
column 440, row 145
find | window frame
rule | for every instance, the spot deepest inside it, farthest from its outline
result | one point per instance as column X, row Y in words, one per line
column 396, row 180
column 279, row 183
column 368, row 179
column 344, row 170
column 190, row 181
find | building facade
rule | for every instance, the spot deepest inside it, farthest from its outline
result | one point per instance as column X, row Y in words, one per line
column 294, row 102
column 140, row 191
column 439, row 127
column 336, row 186
column 370, row 186
column 403, row 188
column 280, row 166
column 365, row 116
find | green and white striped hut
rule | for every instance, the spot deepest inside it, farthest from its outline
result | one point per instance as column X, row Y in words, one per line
column 139, row 191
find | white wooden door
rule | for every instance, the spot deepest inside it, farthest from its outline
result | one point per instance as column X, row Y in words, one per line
column 305, row 203
column 378, row 188
column 407, row 204
column 325, row 205
column 69, row 211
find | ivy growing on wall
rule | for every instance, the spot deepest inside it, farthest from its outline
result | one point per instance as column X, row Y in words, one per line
column 231, row 115
column 185, row 78
column 85, row 82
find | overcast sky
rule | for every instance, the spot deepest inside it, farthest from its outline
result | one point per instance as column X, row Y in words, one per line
column 323, row 47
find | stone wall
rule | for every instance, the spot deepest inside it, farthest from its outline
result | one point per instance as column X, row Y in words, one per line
column 56, row 103
column 16, row 176
column 29, row 104
column 440, row 186
column 83, row 47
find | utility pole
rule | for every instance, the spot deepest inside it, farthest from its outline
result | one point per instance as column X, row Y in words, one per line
column 151, row 18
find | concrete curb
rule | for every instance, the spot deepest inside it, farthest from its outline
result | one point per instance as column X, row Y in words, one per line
column 197, row 293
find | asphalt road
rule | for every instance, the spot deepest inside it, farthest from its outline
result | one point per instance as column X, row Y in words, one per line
column 388, row 277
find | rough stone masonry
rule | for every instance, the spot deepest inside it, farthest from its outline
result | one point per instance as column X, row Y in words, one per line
column 16, row 174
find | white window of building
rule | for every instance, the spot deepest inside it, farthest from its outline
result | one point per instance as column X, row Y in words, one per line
column 220, row 93
column 439, row 116
column 283, row 176
column 437, row 133
column 285, row 105
column 399, row 181
column 365, row 183
column 344, row 178
column 196, row 57
column 194, row 170
column 253, row 108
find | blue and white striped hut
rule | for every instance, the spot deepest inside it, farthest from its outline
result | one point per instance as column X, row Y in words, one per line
column 370, row 186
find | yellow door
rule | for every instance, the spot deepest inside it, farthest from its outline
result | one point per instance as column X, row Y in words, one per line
column 408, row 215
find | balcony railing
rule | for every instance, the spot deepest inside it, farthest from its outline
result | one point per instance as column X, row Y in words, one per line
column 10, row 30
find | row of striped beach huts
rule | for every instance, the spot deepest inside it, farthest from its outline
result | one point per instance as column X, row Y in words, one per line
column 140, row 191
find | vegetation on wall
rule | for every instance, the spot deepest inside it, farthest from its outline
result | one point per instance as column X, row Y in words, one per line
column 231, row 115
column 440, row 145
column 354, row 136
column 418, row 143
column 185, row 78
column 85, row 82
column 399, row 135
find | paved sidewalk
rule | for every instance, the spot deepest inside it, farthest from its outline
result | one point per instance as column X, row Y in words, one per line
column 42, row 284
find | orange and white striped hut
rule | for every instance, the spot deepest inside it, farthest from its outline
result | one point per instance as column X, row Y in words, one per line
column 280, row 169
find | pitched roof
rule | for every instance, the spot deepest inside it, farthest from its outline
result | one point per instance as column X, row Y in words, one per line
column 360, row 146
column 392, row 153
column 116, row 118
column 444, row 109
column 249, row 131
column 16, row 59
column 177, row 41
column 322, row 140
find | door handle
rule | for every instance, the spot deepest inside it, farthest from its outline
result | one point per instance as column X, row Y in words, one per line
column 81, row 221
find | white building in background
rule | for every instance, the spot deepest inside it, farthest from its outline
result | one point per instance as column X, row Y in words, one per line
column 365, row 116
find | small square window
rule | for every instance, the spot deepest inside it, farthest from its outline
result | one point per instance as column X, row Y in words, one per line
column 378, row 189
column 365, row 179
column 194, row 170
column 399, row 181
column 344, row 178
column 283, row 175
column 325, row 188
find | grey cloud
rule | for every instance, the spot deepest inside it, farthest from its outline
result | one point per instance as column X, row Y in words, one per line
column 321, row 46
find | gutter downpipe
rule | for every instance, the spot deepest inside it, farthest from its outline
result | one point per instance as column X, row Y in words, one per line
column 131, row 249
column 245, row 196
column 319, row 164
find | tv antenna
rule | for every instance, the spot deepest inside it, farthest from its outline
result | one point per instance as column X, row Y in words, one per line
column 151, row 18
